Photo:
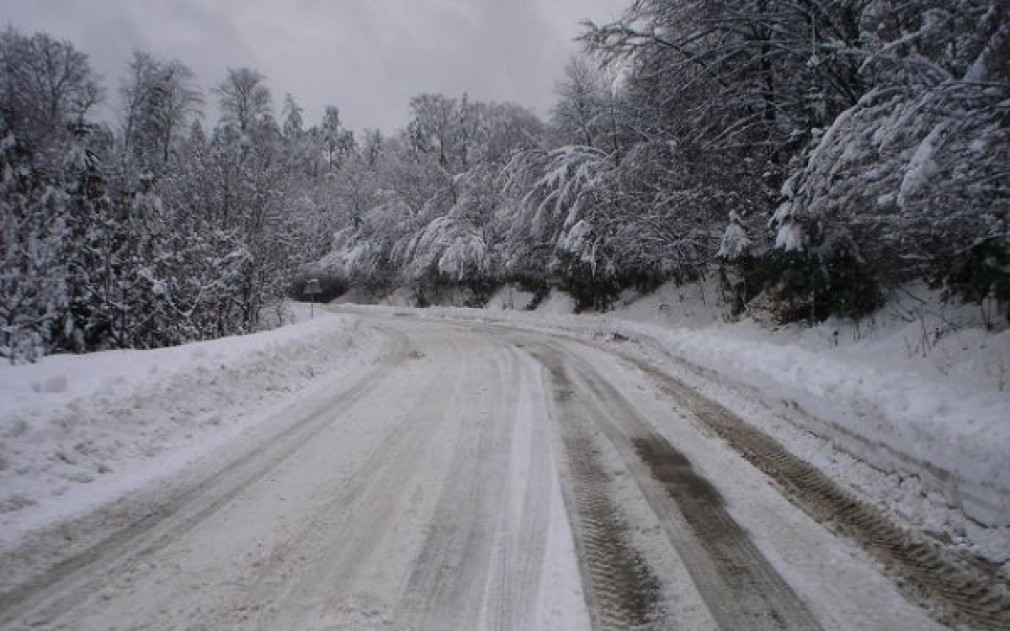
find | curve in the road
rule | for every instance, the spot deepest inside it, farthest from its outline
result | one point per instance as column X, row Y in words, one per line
column 488, row 478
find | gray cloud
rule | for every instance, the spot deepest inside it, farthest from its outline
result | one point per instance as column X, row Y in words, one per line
column 368, row 57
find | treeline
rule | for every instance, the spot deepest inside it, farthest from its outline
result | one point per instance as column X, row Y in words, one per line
column 153, row 231
column 810, row 154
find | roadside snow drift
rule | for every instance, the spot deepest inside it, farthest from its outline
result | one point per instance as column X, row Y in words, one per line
column 78, row 430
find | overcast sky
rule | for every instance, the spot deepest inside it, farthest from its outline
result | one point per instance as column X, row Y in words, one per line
column 368, row 57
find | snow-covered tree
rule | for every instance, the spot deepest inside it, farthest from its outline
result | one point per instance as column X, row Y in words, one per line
column 244, row 98
column 47, row 85
column 580, row 112
column 47, row 91
column 918, row 170
column 33, row 296
column 337, row 142
column 735, row 242
column 160, row 99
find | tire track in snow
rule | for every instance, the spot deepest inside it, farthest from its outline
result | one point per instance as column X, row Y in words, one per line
column 517, row 566
column 74, row 580
column 740, row 587
column 621, row 589
column 481, row 564
column 624, row 589
column 956, row 591
column 315, row 567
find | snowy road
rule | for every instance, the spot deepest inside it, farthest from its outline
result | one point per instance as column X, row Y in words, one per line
column 479, row 477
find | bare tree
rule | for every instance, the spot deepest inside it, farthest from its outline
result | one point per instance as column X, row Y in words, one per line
column 160, row 99
column 580, row 113
column 243, row 97
column 46, row 85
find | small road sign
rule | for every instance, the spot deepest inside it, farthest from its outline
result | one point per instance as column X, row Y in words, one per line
column 312, row 289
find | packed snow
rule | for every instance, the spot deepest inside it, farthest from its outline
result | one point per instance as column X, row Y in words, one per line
column 908, row 408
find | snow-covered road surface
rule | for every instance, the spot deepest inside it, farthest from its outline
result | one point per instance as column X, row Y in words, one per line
column 476, row 477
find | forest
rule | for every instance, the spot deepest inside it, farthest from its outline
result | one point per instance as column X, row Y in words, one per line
column 812, row 155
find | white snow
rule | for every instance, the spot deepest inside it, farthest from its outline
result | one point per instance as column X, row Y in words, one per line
column 922, row 166
column 510, row 297
column 557, row 303
column 735, row 241
column 789, row 234
column 790, row 237
column 957, row 428
column 909, row 409
column 80, row 430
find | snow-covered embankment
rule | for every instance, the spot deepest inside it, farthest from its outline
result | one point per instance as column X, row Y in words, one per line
column 79, row 431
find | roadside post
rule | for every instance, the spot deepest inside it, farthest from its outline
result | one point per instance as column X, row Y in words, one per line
column 312, row 289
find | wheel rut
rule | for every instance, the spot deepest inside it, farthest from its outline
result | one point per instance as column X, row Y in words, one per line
column 956, row 591
column 446, row 590
column 739, row 586
column 621, row 589
column 745, row 575
column 625, row 591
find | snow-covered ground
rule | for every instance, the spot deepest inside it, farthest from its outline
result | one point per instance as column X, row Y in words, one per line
column 921, row 393
column 77, row 431
column 909, row 411
column 910, row 408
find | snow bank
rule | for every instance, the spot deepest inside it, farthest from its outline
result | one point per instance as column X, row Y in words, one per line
column 510, row 297
column 557, row 303
column 953, row 434
column 77, row 430
column 922, row 389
